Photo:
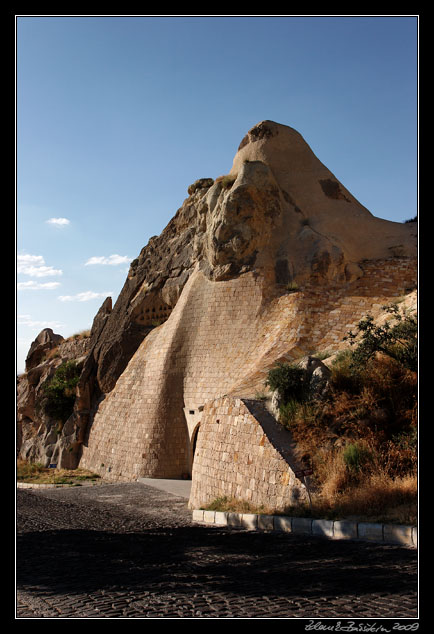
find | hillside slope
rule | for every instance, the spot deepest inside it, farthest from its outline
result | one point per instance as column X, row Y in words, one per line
column 273, row 261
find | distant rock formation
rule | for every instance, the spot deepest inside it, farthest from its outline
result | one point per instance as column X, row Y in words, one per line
column 271, row 261
column 44, row 342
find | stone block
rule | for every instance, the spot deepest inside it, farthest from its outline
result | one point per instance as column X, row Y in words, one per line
column 198, row 515
column 398, row 534
column 371, row 531
column 322, row 527
column 209, row 517
column 249, row 520
column 266, row 522
column 220, row 518
column 233, row 519
column 301, row 525
column 283, row 523
column 344, row 529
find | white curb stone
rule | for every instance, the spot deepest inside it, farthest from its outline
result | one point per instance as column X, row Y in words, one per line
column 209, row 516
column 266, row 522
column 339, row 529
column 283, row 523
column 322, row 527
column 221, row 518
column 250, row 521
column 344, row 529
column 198, row 515
column 398, row 534
column 301, row 525
column 369, row 531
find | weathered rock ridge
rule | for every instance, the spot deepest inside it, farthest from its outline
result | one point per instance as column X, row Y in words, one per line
column 281, row 213
column 230, row 286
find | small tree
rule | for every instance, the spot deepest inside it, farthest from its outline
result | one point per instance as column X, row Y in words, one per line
column 398, row 341
column 60, row 391
column 289, row 380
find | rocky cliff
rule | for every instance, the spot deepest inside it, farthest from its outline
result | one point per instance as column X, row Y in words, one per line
column 273, row 260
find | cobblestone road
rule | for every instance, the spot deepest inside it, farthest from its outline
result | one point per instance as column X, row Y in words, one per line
column 131, row 551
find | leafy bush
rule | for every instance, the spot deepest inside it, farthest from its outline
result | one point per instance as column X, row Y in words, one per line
column 290, row 380
column 398, row 341
column 356, row 456
column 346, row 374
column 361, row 439
column 60, row 391
column 296, row 413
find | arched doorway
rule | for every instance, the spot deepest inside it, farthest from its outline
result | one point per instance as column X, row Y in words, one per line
column 193, row 444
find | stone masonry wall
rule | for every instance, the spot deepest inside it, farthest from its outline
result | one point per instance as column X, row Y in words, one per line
column 140, row 429
column 220, row 339
column 234, row 458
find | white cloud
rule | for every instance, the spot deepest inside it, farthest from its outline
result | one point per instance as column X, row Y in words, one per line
column 31, row 259
column 111, row 260
column 34, row 265
column 26, row 320
column 83, row 297
column 58, row 222
column 37, row 286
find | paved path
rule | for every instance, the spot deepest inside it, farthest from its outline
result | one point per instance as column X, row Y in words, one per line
column 131, row 551
column 181, row 488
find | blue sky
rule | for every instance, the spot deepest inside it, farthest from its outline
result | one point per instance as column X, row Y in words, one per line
column 117, row 116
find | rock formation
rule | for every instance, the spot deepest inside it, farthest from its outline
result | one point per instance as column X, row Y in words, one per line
column 272, row 261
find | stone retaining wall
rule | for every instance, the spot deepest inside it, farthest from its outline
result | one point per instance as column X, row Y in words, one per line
column 221, row 338
column 235, row 458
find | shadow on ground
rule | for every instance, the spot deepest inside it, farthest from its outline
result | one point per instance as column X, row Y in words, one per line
column 193, row 559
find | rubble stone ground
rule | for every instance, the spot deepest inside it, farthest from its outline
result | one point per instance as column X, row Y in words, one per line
column 126, row 550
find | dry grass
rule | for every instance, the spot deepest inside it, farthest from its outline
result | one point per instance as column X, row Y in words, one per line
column 381, row 498
column 361, row 443
column 227, row 180
column 35, row 473
column 236, row 506
column 377, row 498
column 83, row 334
column 372, row 496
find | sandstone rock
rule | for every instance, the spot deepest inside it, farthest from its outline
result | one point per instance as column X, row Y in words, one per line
column 344, row 229
column 319, row 375
column 38, row 435
column 216, row 280
column 283, row 215
column 317, row 378
column 45, row 341
column 275, row 403
column 201, row 183
column 319, row 381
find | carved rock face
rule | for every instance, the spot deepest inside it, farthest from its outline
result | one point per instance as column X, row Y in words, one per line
column 240, row 220
column 279, row 212
column 324, row 205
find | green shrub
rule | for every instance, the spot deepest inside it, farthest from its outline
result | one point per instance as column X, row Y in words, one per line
column 397, row 340
column 290, row 380
column 356, row 456
column 298, row 413
column 288, row 412
column 60, row 391
column 347, row 376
